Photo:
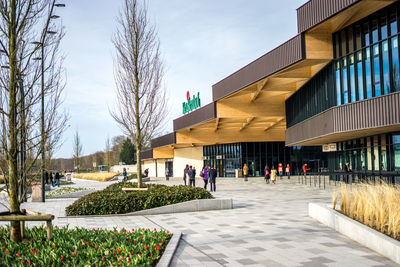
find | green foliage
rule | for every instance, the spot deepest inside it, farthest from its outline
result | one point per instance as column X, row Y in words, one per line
column 127, row 154
column 113, row 200
column 83, row 247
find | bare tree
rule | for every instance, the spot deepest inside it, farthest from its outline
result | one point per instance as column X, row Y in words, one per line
column 77, row 151
column 141, row 108
column 22, row 22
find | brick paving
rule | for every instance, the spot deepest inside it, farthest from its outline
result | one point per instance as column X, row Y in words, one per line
column 268, row 226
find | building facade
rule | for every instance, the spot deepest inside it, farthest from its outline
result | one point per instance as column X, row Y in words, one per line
column 328, row 96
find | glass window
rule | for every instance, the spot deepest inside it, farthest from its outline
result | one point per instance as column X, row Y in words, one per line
column 395, row 65
column 352, row 80
column 367, row 63
column 344, row 78
column 375, row 36
column 393, row 21
column 365, row 34
column 385, row 67
column 343, row 43
column 360, row 81
column 383, row 158
column 358, row 36
column 377, row 73
column 384, row 33
column 396, row 150
column 337, row 45
column 338, row 87
column 350, row 38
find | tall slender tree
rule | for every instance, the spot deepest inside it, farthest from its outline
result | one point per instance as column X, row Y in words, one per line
column 141, row 107
column 77, row 151
column 23, row 27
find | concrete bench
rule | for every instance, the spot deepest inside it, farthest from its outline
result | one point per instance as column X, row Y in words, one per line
column 27, row 215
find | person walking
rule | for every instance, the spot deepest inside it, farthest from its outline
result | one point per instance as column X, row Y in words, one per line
column 166, row 174
column 57, row 176
column 273, row 174
column 204, row 175
column 280, row 170
column 51, row 178
column 287, row 170
column 245, row 172
column 267, row 174
column 185, row 174
column 192, row 176
column 124, row 173
column 212, row 178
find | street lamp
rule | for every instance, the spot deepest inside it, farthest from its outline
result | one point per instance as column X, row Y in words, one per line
column 42, row 43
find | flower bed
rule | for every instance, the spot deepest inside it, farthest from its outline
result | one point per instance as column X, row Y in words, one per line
column 113, row 200
column 377, row 206
column 83, row 247
column 99, row 176
column 64, row 190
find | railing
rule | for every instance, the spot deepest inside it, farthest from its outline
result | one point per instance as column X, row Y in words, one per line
column 338, row 177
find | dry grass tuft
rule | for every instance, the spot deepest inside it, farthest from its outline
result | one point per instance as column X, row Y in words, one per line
column 377, row 206
column 99, row 176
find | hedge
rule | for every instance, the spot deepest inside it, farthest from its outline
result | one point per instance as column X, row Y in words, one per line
column 112, row 200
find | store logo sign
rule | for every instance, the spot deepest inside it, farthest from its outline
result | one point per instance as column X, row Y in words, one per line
column 191, row 104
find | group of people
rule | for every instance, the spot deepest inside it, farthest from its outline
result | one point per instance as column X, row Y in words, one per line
column 53, row 179
column 270, row 174
column 209, row 175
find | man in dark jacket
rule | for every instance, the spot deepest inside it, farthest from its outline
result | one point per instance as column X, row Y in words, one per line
column 212, row 176
column 192, row 176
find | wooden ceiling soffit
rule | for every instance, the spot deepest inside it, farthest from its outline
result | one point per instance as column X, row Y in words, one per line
column 274, row 124
column 260, row 86
column 225, row 136
column 249, row 120
column 248, row 110
column 216, row 124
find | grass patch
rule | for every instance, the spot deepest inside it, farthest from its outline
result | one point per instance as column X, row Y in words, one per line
column 377, row 206
column 66, row 182
column 83, row 247
column 63, row 191
column 112, row 200
column 99, row 176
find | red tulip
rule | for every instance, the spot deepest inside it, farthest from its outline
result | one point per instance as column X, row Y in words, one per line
column 52, row 246
column 35, row 253
column 22, row 262
column 29, row 262
column 62, row 257
column 132, row 252
column 146, row 247
column 18, row 254
column 151, row 256
column 6, row 251
column 73, row 254
column 102, row 259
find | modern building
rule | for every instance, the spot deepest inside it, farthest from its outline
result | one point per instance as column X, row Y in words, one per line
column 328, row 96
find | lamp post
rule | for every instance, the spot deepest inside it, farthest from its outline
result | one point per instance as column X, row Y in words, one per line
column 42, row 44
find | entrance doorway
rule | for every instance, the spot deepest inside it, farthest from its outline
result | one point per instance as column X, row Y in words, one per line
column 169, row 168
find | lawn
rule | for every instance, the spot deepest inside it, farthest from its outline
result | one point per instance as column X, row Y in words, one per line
column 64, row 190
column 83, row 247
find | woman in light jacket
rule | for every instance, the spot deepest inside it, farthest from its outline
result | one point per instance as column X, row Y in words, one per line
column 273, row 174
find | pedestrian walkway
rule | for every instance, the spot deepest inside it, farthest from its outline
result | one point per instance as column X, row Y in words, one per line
column 268, row 226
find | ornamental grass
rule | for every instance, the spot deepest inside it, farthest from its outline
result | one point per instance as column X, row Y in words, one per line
column 98, row 176
column 375, row 205
column 83, row 247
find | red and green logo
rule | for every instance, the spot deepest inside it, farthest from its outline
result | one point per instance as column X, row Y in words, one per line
column 191, row 104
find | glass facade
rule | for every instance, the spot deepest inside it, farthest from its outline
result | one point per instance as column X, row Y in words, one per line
column 367, row 57
column 229, row 157
column 373, row 153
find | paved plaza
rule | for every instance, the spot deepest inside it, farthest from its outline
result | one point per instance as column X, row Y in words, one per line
column 268, row 226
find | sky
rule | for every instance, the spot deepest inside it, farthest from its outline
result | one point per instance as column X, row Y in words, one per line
column 202, row 42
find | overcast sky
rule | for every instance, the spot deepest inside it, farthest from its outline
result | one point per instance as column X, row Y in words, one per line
column 202, row 42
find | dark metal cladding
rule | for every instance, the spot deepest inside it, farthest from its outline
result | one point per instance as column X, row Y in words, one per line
column 382, row 111
column 200, row 115
column 316, row 11
column 148, row 154
column 281, row 57
column 165, row 140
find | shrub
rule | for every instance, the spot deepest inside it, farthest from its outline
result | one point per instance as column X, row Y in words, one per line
column 112, row 200
column 374, row 205
column 83, row 247
column 99, row 176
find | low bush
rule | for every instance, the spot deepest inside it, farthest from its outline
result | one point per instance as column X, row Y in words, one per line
column 376, row 206
column 112, row 200
column 98, row 176
column 83, row 247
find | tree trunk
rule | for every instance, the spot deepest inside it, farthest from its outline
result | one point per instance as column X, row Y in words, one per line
column 12, row 124
column 139, row 166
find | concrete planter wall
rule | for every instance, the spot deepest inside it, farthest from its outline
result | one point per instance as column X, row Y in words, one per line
column 361, row 233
